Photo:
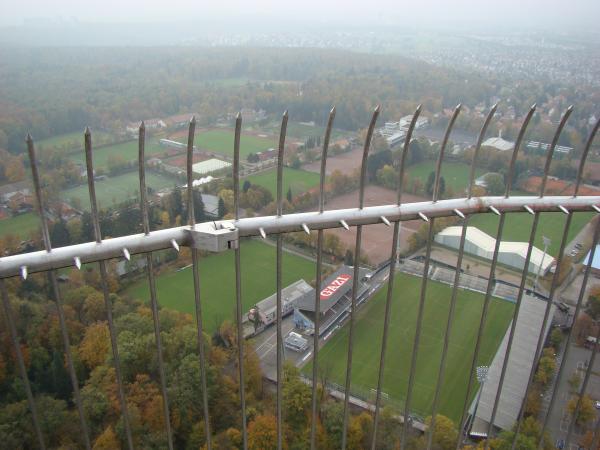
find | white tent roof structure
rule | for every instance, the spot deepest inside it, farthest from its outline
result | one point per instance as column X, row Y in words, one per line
column 210, row 165
column 487, row 243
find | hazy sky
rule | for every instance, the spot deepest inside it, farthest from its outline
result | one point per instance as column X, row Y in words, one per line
column 550, row 12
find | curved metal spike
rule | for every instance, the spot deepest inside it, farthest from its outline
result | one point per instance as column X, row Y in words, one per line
column 261, row 230
column 482, row 132
column 563, row 209
column 365, row 155
column 190, row 173
column 550, row 154
column 24, row 272
column 126, row 254
column 281, row 149
column 438, row 168
column 306, row 229
column 324, row 159
column 386, row 221
column 494, row 210
column 529, row 210
column 175, row 245
column 584, row 155
column 344, row 224
column 596, row 208
column 77, row 261
column 423, row 217
column 236, row 165
column 513, row 158
column 405, row 150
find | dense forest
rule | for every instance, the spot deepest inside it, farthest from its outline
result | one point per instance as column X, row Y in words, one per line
column 49, row 91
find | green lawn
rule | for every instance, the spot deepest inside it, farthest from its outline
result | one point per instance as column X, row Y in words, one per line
column 20, row 225
column 299, row 180
column 456, row 175
column 517, row 227
column 66, row 142
column 217, row 282
column 303, row 132
column 116, row 189
column 367, row 344
column 221, row 141
column 127, row 150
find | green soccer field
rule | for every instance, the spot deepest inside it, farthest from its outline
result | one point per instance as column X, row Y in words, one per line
column 299, row 181
column 367, row 344
column 67, row 142
column 456, row 175
column 517, row 227
column 129, row 151
column 21, row 225
column 116, row 190
column 217, row 282
column 221, row 141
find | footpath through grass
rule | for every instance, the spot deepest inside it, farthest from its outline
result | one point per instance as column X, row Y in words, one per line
column 367, row 344
column 298, row 180
column 217, row 282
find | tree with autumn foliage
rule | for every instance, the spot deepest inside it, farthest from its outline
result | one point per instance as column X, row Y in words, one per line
column 262, row 433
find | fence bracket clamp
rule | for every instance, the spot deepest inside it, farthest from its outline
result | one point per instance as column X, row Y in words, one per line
column 213, row 236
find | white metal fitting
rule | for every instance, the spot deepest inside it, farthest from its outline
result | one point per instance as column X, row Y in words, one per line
column 213, row 236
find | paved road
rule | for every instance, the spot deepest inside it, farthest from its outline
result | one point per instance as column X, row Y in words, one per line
column 559, row 418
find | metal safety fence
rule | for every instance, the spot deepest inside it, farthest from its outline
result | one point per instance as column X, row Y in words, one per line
column 224, row 235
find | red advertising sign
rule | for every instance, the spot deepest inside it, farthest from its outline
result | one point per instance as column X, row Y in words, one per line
column 339, row 281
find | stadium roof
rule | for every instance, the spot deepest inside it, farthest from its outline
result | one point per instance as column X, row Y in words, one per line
column 299, row 289
column 529, row 322
column 499, row 144
column 210, row 165
column 487, row 243
column 596, row 260
column 333, row 289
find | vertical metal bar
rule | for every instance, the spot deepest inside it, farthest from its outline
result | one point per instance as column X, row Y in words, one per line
column 104, row 284
column 421, row 308
column 56, row 291
column 281, row 149
column 524, row 273
column 10, row 323
column 586, row 150
column 570, row 334
column 586, row 380
column 196, row 277
column 555, row 278
column 238, row 278
column 313, row 424
column 490, row 285
column 391, row 277
column 152, row 285
column 361, row 197
column 461, row 250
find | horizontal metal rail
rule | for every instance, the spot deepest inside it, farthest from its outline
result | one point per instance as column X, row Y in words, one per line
column 119, row 247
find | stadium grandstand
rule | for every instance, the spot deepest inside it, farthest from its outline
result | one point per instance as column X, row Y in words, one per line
column 335, row 298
